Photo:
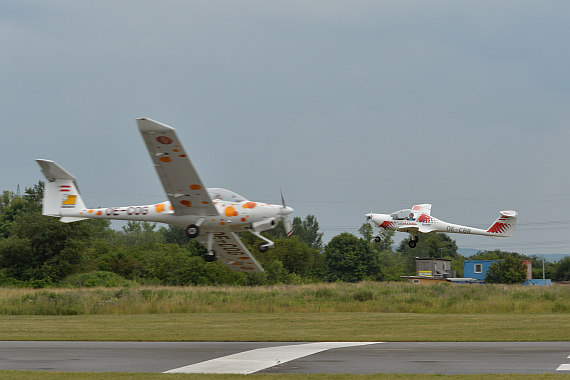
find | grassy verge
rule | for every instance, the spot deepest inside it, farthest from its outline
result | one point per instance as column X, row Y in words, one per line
column 395, row 297
column 289, row 327
column 26, row 375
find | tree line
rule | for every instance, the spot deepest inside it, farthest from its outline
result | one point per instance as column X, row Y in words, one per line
column 40, row 251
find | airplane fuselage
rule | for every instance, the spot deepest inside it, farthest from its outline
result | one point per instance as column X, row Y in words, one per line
column 231, row 216
column 424, row 224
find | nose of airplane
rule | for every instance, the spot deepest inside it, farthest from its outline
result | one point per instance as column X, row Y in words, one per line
column 287, row 210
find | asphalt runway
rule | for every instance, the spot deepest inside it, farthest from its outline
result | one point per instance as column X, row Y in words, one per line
column 288, row 357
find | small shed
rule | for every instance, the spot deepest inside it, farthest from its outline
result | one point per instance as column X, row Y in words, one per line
column 430, row 267
column 477, row 268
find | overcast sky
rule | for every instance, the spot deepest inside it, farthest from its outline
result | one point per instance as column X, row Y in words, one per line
column 350, row 106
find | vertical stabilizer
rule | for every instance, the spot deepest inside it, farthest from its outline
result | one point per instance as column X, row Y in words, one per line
column 61, row 195
column 505, row 224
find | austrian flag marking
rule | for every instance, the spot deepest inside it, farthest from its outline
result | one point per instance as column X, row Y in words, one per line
column 164, row 140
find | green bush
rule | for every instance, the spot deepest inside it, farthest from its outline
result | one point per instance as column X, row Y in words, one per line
column 96, row 279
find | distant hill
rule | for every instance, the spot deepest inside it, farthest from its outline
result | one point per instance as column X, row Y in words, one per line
column 551, row 258
column 467, row 252
column 554, row 257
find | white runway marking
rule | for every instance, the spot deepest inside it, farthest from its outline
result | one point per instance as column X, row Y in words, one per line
column 256, row 360
column 564, row 367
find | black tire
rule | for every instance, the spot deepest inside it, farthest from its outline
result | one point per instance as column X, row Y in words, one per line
column 263, row 247
column 192, row 231
column 412, row 244
column 377, row 239
column 210, row 256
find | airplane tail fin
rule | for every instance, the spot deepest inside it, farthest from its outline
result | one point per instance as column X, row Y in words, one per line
column 61, row 194
column 505, row 224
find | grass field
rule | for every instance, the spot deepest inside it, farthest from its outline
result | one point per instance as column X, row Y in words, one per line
column 395, row 297
column 288, row 327
column 321, row 312
column 324, row 312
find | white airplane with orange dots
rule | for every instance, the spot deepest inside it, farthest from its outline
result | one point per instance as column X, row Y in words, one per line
column 418, row 220
column 213, row 216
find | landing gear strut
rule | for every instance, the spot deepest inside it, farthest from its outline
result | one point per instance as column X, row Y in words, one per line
column 263, row 247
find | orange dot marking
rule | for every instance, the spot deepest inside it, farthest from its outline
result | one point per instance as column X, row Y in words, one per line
column 223, row 223
column 175, row 150
column 186, row 203
column 195, row 187
column 205, row 203
column 230, row 211
column 165, row 159
column 99, row 212
column 249, row 205
column 243, row 219
column 159, row 207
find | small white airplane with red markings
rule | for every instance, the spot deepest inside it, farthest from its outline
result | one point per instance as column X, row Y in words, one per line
column 211, row 215
column 418, row 220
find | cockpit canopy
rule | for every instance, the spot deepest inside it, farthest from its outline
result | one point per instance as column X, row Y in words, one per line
column 225, row 195
column 402, row 214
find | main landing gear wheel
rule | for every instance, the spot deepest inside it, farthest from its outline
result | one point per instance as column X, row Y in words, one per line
column 210, row 256
column 377, row 239
column 263, row 247
column 413, row 242
column 192, row 231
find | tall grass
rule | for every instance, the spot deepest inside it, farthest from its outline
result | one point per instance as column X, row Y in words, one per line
column 395, row 297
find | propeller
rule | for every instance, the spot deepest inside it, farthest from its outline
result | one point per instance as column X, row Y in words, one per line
column 285, row 215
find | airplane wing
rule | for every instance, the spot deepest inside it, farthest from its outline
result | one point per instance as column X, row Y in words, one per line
column 415, row 229
column 422, row 209
column 231, row 251
column 412, row 229
column 181, row 182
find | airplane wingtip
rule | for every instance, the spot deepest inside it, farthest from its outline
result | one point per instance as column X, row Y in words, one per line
column 149, row 125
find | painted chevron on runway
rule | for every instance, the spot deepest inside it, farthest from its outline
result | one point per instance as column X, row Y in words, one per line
column 259, row 359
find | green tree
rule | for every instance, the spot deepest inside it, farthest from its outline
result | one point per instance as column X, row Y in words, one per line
column 562, row 270
column 509, row 270
column 351, row 259
column 393, row 265
column 297, row 257
column 308, row 231
column 386, row 237
column 42, row 249
column 174, row 235
column 496, row 254
column 139, row 233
